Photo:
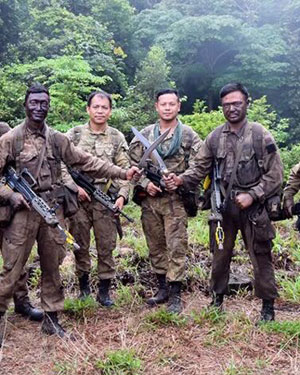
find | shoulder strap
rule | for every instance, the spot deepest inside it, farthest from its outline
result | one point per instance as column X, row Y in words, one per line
column 77, row 135
column 18, row 144
column 215, row 139
column 257, row 138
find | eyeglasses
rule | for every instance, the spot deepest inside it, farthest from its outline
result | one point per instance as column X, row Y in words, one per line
column 237, row 105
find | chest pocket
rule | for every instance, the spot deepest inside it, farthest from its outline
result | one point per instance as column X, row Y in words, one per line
column 248, row 172
column 29, row 159
column 105, row 151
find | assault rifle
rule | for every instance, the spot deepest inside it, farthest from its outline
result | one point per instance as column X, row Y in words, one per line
column 217, row 206
column 87, row 183
column 23, row 184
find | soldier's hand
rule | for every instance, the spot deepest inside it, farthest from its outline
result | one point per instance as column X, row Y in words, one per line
column 243, row 200
column 288, row 204
column 153, row 189
column 83, row 195
column 133, row 173
column 172, row 181
column 120, row 203
column 18, row 202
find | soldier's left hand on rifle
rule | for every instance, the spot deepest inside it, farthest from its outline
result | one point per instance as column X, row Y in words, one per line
column 172, row 181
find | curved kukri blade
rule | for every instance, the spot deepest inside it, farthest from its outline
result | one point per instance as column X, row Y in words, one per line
column 151, row 148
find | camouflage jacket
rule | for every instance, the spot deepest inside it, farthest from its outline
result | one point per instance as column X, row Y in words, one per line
column 50, row 171
column 293, row 184
column 260, row 178
column 109, row 145
column 178, row 163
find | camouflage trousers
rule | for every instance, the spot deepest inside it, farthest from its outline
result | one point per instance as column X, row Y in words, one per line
column 20, row 295
column 27, row 227
column 164, row 223
column 94, row 215
column 259, row 246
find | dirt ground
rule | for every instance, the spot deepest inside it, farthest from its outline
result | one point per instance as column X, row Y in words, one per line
column 190, row 349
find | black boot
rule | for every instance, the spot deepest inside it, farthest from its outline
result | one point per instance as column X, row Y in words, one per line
column 267, row 312
column 217, row 301
column 174, row 304
column 84, row 285
column 27, row 310
column 103, row 293
column 51, row 326
column 162, row 295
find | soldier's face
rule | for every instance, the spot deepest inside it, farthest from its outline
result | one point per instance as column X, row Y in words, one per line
column 37, row 106
column 234, row 107
column 167, row 107
column 99, row 110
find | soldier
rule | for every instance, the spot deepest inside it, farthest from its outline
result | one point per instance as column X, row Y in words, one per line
column 107, row 143
column 251, row 172
column 164, row 218
column 291, row 189
column 35, row 146
column 22, row 303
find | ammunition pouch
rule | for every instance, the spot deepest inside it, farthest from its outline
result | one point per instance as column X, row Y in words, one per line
column 139, row 194
column 262, row 227
column 190, row 200
column 70, row 202
column 273, row 207
column 6, row 215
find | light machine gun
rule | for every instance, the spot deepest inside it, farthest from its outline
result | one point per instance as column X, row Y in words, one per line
column 23, row 184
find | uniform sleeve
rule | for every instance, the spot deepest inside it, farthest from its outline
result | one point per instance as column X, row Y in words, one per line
column 293, row 184
column 5, row 157
column 77, row 158
column 200, row 164
column 122, row 160
column 272, row 178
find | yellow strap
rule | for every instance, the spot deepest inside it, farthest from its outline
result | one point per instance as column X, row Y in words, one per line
column 207, row 182
column 107, row 186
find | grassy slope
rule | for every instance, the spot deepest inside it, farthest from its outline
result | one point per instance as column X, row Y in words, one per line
column 132, row 339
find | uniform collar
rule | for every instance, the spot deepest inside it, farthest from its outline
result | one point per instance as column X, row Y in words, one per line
column 104, row 132
column 42, row 131
column 240, row 133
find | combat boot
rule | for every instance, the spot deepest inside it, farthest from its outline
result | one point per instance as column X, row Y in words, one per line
column 174, row 304
column 51, row 326
column 217, row 301
column 84, row 285
column 162, row 295
column 267, row 312
column 28, row 311
column 103, row 293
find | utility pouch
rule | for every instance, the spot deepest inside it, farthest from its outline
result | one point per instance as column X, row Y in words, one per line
column 273, row 206
column 139, row 194
column 262, row 226
column 190, row 200
column 6, row 214
column 70, row 202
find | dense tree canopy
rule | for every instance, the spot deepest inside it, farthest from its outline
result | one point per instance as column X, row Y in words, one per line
column 131, row 48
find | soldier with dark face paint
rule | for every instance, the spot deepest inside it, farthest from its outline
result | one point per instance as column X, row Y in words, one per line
column 22, row 303
column 251, row 172
column 40, row 149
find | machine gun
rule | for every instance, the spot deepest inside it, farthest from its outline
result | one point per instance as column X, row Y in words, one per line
column 23, row 184
column 87, row 184
column 217, row 206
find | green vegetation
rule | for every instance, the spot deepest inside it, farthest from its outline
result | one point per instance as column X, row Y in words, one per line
column 162, row 317
column 289, row 330
column 81, row 308
column 120, row 362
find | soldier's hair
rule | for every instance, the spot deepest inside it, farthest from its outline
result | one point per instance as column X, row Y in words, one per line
column 231, row 87
column 100, row 93
column 166, row 91
column 36, row 88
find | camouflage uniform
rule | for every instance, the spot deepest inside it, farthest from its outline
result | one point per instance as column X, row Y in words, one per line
column 27, row 226
column 163, row 217
column 292, row 186
column 261, row 182
column 21, row 290
column 109, row 145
